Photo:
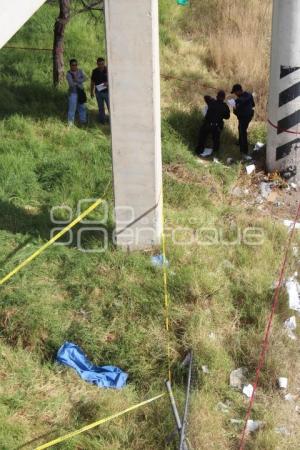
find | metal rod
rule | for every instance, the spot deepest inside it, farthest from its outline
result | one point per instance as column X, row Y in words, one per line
column 188, row 389
column 175, row 412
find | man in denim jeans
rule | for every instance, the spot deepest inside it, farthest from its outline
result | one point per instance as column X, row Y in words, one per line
column 99, row 85
column 75, row 78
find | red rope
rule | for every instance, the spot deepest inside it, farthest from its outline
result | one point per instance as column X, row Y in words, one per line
column 282, row 130
column 268, row 329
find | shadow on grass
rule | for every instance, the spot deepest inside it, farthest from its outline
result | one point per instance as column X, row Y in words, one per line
column 40, row 101
column 85, row 237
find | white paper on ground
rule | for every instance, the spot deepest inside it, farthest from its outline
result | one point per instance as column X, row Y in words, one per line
column 293, row 290
column 290, row 224
column 248, row 390
column 291, row 323
column 101, row 87
column 250, row 169
column 253, row 425
column 207, row 152
column 258, row 146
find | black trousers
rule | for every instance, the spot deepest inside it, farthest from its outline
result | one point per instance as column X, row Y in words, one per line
column 243, row 134
column 209, row 129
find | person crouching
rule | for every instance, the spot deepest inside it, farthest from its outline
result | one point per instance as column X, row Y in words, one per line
column 213, row 124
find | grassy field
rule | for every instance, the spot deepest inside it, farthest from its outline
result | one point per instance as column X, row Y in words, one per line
column 111, row 303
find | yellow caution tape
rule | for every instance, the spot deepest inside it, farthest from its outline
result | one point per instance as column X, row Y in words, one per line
column 54, row 239
column 166, row 301
column 96, row 424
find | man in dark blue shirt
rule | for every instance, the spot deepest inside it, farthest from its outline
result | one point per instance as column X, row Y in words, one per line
column 213, row 123
column 244, row 110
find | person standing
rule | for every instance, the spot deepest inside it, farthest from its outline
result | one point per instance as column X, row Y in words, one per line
column 244, row 110
column 77, row 97
column 99, row 86
column 213, row 124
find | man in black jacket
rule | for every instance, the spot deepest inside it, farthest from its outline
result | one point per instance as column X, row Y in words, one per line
column 99, row 86
column 244, row 110
column 217, row 111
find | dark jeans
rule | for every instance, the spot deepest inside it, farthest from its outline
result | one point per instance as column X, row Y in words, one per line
column 102, row 97
column 209, row 129
column 243, row 135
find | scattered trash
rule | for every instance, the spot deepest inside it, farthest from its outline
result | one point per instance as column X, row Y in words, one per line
column 248, row 390
column 103, row 376
column 258, row 146
column 290, row 397
column 158, row 261
column 212, row 336
column 295, row 251
column 250, row 169
column 205, row 369
column 265, row 189
column 206, row 152
column 238, row 378
column 290, row 323
column 290, row 224
column 293, row 290
column 282, row 430
column 289, row 172
column 253, row 425
column 223, row 408
column 294, row 186
column 216, row 160
column 229, row 161
column 282, row 382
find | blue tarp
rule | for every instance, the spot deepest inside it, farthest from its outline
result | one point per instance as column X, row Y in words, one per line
column 103, row 376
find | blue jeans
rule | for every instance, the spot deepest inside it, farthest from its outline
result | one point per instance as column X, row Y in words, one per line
column 102, row 97
column 75, row 106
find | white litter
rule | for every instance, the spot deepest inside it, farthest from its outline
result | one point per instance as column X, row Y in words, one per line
column 206, row 152
column 290, row 224
column 158, row 261
column 282, row 382
column 290, row 323
column 265, row 189
column 217, row 161
column 238, row 378
column 205, row 369
column 290, row 397
column 253, row 425
column 295, row 251
column 248, row 390
column 293, row 186
column 229, row 161
column 258, row 146
column 293, row 290
column 250, row 169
